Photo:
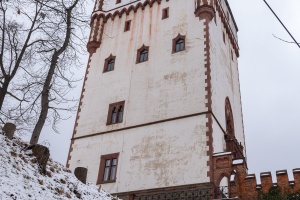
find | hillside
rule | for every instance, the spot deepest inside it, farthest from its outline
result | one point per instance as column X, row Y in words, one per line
column 20, row 177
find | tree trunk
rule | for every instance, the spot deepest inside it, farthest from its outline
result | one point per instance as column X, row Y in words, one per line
column 3, row 91
column 47, row 84
column 44, row 102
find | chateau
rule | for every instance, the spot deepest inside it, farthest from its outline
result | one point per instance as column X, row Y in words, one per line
column 160, row 114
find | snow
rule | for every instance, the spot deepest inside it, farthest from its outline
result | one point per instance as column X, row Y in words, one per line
column 250, row 176
column 281, row 172
column 265, row 174
column 232, row 176
column 21, row 178
column 238, row 161
column 296, row 170
column 222, row 154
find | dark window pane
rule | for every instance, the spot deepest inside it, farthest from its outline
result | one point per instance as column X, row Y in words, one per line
column 112, row 173
column 179, row 45
column 120, row 114
column 110, row 65
column 114, row 115
column 106, row 170
column 144, row 55
column 107, row 163
column 114, row 162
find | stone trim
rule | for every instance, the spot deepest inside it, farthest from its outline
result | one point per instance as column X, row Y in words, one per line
column 207, row 18
column 102, row 166
column 228, row 29
column 78, row 110
column 141, row 125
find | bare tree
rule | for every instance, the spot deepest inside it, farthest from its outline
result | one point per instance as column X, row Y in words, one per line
column 63, row 52
column 45, row 60
column 16, row 47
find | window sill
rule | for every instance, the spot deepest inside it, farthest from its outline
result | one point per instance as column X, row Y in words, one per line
column 105, row 182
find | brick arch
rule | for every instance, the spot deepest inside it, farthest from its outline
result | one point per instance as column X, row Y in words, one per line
column 229, row 119
column 221, row 176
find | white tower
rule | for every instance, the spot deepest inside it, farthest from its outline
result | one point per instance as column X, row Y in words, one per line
column 161, row 96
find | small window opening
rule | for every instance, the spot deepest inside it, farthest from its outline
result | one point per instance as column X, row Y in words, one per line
column 144, row 55
column 224, row 38
column 179, row 45
column 109, row 64
column 118, row 1
column 165, row 13
column 127, row 25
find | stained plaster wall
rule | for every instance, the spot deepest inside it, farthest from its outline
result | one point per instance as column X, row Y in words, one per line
column 167, row 86
column 161, row 155
column 225, row 82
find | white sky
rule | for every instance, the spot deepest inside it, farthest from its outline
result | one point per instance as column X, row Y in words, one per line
column 270, row 87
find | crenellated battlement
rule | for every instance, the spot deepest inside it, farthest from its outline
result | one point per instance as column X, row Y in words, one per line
column 247, row 186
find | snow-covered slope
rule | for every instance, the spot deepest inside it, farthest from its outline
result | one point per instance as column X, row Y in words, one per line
column 20, row 177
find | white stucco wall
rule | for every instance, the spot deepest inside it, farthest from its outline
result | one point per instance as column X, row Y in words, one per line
column 160, row 155
column 225, row 79
column 166, row 86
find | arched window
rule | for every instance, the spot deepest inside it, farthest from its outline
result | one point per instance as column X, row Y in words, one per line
column 142, row 54
column 109, row 64
column 120, row 114
column 178, row 43
column 114, row 115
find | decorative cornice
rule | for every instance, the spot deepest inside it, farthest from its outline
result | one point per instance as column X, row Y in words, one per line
column 126, row 10
column 205, row 12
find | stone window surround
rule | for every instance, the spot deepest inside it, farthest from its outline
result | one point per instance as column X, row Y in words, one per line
column 178, row 37
column 116, row 105
column 111, row 57
column 103, row 158
column 139, row 54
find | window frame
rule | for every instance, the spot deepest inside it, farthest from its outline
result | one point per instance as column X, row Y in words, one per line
column 139, row 51
column 179, row 37
column 101, row 172
column 116, row 105
column 106, row 62
column 165, row 13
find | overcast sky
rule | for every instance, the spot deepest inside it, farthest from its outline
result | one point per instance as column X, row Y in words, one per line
column 270, row 87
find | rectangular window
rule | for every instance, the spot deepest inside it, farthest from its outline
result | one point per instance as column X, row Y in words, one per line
column 127, row 25
column 115, row 113
column 224, row 38
column 108, row 168
column 118, row 1
column 165, row 13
